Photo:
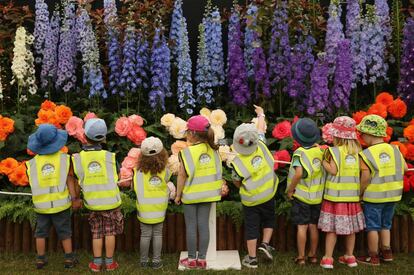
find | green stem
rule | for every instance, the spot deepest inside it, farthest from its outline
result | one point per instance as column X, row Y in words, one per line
column 19, row 91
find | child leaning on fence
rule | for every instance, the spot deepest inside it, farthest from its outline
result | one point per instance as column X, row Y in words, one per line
column 97, row 175
column 53, row 190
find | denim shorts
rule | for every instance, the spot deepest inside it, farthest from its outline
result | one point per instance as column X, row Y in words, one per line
column 61, row 221
column 302, row 213
column 378, row 216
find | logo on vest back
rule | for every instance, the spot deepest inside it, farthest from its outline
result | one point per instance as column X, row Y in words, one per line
column 350, row 160
column 256, row 162
column 204, row 159
column 48, row 169
column 94, row 167
column 384, row 158
column 316, row 163
column 155, row 181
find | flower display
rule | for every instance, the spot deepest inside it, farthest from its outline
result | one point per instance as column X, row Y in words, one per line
column 406, row 84
column 334, row 34
column 389, row 132
column 401, row 146
column 130, row 127
column 142, row 62
column 74, row 127
column 178, row 128
column 410, row 152
column 18, row 176
column 383, row 13
column 282, row 155
column 41, row 29
column 1, row 87
column 129, row 163
column 175, row 28
column 384, row 98
column 409, row 133
column 225, row 153
column 397, row 109
column 261, row 77
column 167, row 120
column 127, row 80
column 250, row 37
column 204, row 89
column 173, row 164
column 282, row 130
column 358, row 116
column 341, row 89
column 7, row 166
column 6, row 127
column 51, row 113
column 378, row 109
column 218, row 117
column 319, row 94
column 89, row 115
column 177, row 146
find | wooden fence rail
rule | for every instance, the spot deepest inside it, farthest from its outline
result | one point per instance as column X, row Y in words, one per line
column 18, row 237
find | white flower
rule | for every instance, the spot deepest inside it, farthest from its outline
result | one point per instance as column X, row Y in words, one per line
column 178, row 128
column 173, row 164
column 218, row 117
column 218, row 132
column 1, row 87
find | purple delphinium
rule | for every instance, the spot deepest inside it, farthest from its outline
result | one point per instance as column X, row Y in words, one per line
column 358, row 46
column 203, row 88
column 113, row 45
column 406, row 85
column 142, row 62
column 319, row 94
column 383, row 13
column 50, row 59
column 160, row 71
column 66, row 76
column 261, row 77
column 128, row 76
column 41, row 28
column 279, row 50
column 185, row 87
column 249, row 39
column 334, row 33
column 88, row 47
column 236, row 68
column 342, row 86
column 177, row 15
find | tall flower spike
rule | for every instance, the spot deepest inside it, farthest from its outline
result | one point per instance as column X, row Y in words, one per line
column 142, row 62
column 261, row 77
column 1, row 87
column 236, row 68
column 204, row 91
column 406, row 85
column 249, row 39
column 177, row 15
column 334, row 33
column 113, row 45
column 41, row 28
column 342, row 79
column 127, row 80
column 319, row 93
column 383, row 13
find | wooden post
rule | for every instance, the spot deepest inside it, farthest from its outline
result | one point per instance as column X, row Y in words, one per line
column 239, row 238
column 230, row 234
column 137, row 234
column 27, row 235
column 17, row 245
column 290, row 237
column 9, row 236
column 221, row 236
column 395, row 235
column 281, row 244
column 86, row 234
column 180, row 233
column 2, row 235
column 128, row 231
column 410, row 235
column 171, row 233
column 164, row 236
column 404, row 234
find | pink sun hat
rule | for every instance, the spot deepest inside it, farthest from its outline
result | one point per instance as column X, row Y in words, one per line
column 343, row 127
column 198, row 124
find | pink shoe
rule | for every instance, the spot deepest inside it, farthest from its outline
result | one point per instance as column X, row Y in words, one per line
column 201, row 264
column 327, row 263
column 348, row 260
column 189, row 264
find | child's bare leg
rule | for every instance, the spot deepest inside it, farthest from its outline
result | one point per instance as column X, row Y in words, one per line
column 373, row 242
column 301, row 240
column 314, row 239
column 330, row 242
column 97, row 247
column 41, row 246
column 109, row 246
column 350, row 245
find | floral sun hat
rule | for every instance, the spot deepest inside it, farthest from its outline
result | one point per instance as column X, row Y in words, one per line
column 373, row 125
column 343, row 127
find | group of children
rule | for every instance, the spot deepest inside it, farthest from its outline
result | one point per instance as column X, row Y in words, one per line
column 337, row 178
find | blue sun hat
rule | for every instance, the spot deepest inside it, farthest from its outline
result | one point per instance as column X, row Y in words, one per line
column 47, row 140
column 306, row 132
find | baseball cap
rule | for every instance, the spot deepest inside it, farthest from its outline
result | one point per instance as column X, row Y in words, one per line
column 245, row 139
column 95, row 129
column 151, row 146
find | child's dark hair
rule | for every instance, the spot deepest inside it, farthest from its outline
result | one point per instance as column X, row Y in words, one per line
column 154, row 164
column 207, row 137
column 93, row 142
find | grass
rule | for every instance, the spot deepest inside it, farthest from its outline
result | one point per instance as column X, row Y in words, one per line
column 283, row 264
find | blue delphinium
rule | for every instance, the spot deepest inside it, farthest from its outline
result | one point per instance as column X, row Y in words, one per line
column 249, row 38
column 334, row 34
column 406, row 85
column 50, row 59
column 66, row 75
column 142, row 62
column 128, row 76
column 41, row 28
column 319, row 94
column 177, row 15
column 279, row 50
column 341, row 89
column 203, row 88
column 113, row 45
column 382, row 11
column 88, row 47
column 261, row 77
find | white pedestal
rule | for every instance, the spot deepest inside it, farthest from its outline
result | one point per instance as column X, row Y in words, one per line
column 216, row 260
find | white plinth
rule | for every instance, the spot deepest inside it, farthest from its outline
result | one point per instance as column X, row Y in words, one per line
column 216, row 260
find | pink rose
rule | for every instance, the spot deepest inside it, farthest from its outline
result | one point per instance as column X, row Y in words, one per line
column 129, row 163
column 136, row 134
column 80, row 135
column 89, row 115
column 135, row 119
column 74, row 125
column 125, row 173
column 177, row 146
column 282, row 130
column 122, row 126
column 134, row 153
column 282, row 155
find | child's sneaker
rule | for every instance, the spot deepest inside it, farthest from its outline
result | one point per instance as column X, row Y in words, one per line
column 111, row 267
column 144, row 264
column 41, row 263
column 249, row 262
column 348, row 260
column 386, row 255
column 95, row 267
column 327, row 263
column 201, row 264
column 267, row 250
column 156, row 265
column 189, row 264
column 71, row 262
column 372, row 259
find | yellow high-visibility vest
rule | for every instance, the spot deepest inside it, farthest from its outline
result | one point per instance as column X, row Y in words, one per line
column 345, row 185
column 387, row 173
column 152, row 196
column 310, row 189
column 97, row 175
column 204, row 171
column 259, row 182
column 47, row 177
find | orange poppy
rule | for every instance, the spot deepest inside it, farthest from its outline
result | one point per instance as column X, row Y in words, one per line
column 8, row 165
column 30, row 152
column 397, row 109
column 19, row 177
column 3, row 135
column 384, row 98
column 48, row 105
column 358, row 116
column 7, row 125
column 64, row 149
column 401, row 146
column 410, row 151
column 409, row 133
column 389, row 134
column 63, row 113
column 378, row 109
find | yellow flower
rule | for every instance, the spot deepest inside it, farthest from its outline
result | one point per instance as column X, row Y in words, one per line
column 205, row 112
column 167, row 120
column 173, row 164
column 224, row 151
column 218, row 117
column 178, row 128
column 218, row 132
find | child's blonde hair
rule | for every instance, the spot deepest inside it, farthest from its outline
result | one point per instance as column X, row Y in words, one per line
column 352, row 145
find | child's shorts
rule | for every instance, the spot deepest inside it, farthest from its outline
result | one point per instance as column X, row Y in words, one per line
column 255, row 217
column 302, row 213
column 61, row 221
column 106, row 223
column 378, row 216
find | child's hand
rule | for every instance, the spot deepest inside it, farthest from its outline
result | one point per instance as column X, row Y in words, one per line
column 224, row 189
column 125, row 183
column 177, row 200
column 76, row 204
column 290, row 194
column 259, row 110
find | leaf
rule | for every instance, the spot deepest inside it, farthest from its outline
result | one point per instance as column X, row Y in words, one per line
column 152, row 129
column 1, row 144
column 19, row 125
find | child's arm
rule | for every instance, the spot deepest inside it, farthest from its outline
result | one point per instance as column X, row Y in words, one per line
column 329, row 164
column 261, row 123
column 74, row 189
column 365, row 176
column 182, row 176
column 295, row 180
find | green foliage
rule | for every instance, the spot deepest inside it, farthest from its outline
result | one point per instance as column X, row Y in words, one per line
column 231, row 209
column 128, row 206
column 17, row 209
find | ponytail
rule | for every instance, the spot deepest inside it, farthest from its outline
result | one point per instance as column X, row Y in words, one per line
column 206, row 137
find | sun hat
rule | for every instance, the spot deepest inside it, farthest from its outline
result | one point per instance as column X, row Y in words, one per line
column 245, row 139
column 47, row 140
column 95, row 129
column 343, row 127
column 373, row 125
column 151, row 146
column 305, row 132
column 198, row 124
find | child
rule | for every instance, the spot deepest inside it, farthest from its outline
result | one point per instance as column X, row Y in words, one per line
column 305, row 186
column 53, row 191
column 382, row 170
column 341, row 212
column 97, row 174
column 150, row 185
column 253, row 174
column 199, row 183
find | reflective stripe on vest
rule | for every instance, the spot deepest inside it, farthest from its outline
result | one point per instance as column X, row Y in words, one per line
column 152, row 201
column 389, row 186
column 345, row 185
column 47, row 177
column 96, row 172
column 310, row 189
column 204, row 171
column 259, row 183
